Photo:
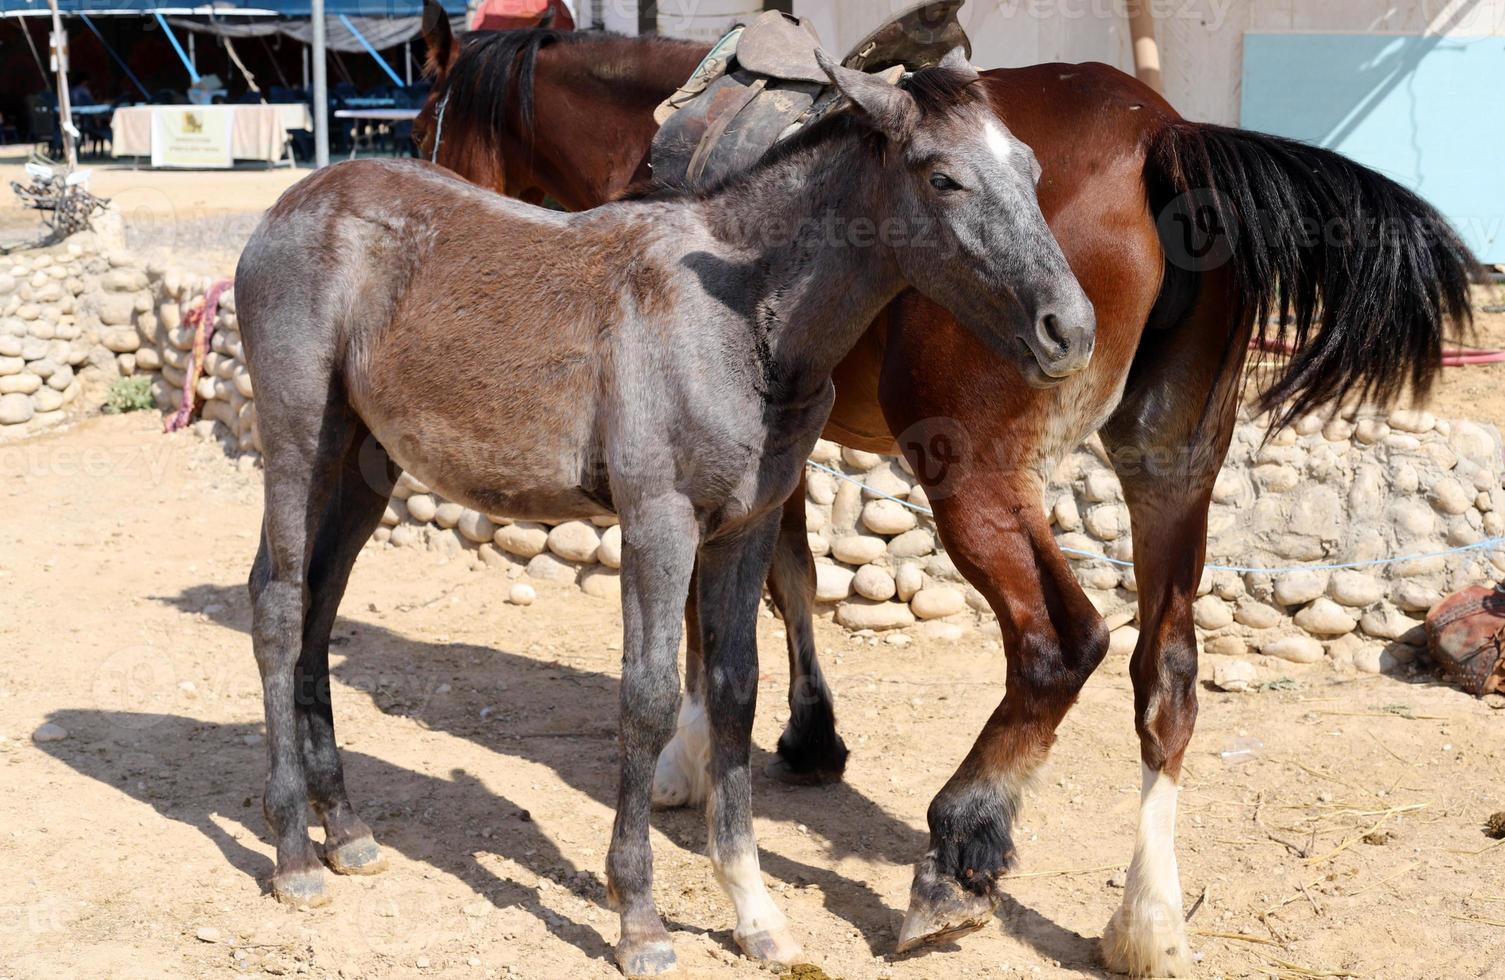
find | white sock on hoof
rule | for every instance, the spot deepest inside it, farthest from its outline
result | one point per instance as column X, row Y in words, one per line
column 682, row 776
column 762, row 931
column 1147, row 935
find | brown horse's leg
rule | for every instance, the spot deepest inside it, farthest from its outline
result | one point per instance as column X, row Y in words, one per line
column 353, row 512
column 1167, row 441
column 1053, row 637
column 305, row 445
column 1147, row 936
column 809, row 751
column 682, row 775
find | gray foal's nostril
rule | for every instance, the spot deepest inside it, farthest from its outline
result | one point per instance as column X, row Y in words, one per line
column 1052, row 335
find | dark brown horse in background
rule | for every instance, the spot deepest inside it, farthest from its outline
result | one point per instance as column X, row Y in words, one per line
column 1189, row 239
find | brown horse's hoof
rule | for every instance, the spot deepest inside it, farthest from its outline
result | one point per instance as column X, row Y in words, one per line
column 780, row 769
column 303, row 888
column 646, row 957
column 361, row 856
column 940, row 910
column 1151, row 945
column 771, row 946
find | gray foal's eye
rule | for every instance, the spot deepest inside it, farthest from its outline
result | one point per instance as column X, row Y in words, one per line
column 942, row 182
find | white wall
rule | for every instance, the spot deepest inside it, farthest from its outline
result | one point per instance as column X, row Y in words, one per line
column 1201, row 41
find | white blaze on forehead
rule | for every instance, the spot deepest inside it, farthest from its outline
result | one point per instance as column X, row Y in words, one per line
column 997, row 141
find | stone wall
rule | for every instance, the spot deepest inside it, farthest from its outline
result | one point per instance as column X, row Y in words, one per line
column 43, row 340
column 1324, row 491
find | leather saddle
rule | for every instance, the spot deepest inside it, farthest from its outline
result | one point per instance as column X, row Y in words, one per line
column 761, row 84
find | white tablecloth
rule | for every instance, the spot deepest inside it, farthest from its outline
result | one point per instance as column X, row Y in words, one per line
column 257, row 131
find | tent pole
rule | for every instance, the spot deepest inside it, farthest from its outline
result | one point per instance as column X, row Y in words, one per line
column 1146, row 50
column 64, row 104
column 89, row 23
column 41, row 65
column 321, row 86
column 193, row 73
column 371, row 50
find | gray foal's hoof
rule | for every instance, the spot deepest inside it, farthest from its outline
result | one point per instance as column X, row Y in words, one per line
column 361, row 856
column 303, row 888
column 646, row 957
column 771, row 946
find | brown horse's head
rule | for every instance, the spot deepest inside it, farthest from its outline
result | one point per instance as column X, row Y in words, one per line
column 442, row 50
column 463, row 121
column 540, row 111
column 966, row 227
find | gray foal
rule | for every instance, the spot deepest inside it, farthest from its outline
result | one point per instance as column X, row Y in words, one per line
column 666, row 359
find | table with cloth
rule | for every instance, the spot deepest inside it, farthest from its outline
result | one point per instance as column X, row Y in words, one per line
column 257, row 131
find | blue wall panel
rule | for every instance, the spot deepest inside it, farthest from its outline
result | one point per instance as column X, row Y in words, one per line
column 1427, row 111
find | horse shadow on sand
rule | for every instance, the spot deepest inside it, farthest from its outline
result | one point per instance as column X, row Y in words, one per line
column 510, row 704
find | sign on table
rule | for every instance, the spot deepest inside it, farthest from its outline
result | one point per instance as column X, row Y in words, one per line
column 191, row 137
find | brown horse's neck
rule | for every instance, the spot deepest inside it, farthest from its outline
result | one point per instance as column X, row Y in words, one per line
column 813, row 271
column 622, row 80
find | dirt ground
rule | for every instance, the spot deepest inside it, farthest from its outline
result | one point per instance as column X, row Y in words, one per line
column 478, row 739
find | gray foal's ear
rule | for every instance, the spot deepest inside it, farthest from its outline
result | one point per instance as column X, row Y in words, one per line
column 956, row 59
column 890, row 109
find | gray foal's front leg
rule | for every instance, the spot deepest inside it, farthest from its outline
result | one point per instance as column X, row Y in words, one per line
column 731, row 578
column 659, row 539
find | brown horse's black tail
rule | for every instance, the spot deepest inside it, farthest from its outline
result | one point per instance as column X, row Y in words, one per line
column 1353, row 275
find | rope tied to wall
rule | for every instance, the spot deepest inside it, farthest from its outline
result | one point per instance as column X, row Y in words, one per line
column 200, row 315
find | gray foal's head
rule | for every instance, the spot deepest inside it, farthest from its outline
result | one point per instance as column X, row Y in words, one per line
column 969, row 234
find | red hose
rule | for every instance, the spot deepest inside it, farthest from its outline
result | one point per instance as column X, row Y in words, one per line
column 1451, row 356
column 200, row 316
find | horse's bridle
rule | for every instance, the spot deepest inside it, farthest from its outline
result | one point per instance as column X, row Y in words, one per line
column 438, row 128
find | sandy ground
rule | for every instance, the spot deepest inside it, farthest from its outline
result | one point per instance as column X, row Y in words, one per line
column 1477, row 391
column 478, row 739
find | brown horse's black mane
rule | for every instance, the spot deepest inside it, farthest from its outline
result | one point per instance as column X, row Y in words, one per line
column 494, row 74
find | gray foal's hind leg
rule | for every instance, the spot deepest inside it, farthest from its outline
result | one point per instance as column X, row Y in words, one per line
column 659, row 538
column 731, row 584
column 304, row 444
column 352, row 514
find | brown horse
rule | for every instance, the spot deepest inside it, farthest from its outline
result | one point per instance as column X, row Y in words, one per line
column 1189, row 239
